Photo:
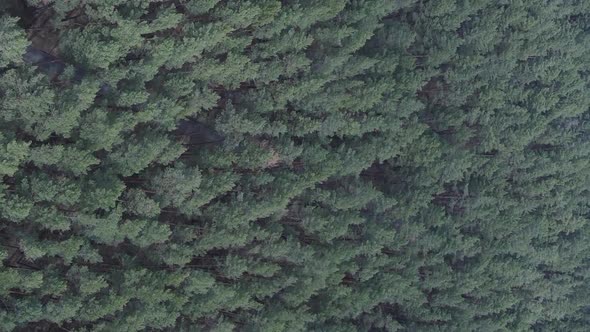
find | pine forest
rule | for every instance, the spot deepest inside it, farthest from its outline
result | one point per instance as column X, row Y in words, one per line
column 294, row 165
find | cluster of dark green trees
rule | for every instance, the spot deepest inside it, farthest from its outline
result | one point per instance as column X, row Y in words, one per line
column 295, row 165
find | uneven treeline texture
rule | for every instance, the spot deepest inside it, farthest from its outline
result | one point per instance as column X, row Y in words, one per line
column 295, row 165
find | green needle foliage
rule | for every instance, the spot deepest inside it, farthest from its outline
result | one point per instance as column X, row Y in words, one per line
column 295, row 165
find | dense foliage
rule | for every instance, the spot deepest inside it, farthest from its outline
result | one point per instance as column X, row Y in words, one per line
column 294, row 165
